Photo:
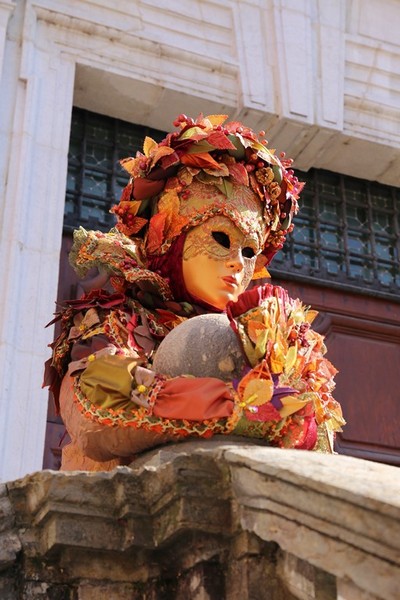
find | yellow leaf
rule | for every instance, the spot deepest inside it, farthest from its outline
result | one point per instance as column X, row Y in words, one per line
column 310, row 315
column 193, row 131
column 291, row 404
column 258, row 392
column 148, row 145
column 277, row 359
column 291, row 358
column 128, row 164
column 217, row 119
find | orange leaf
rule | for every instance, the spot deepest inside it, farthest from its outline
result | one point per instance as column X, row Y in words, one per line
column 169, row 206
column 159, row 153
column 130, row 207
column 155, row 233
column 254, row 328
column 137, row 225
column 203, row 161
column 217, row 119
column 128, row 164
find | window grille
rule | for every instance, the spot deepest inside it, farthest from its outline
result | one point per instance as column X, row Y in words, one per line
column 95, row 178
column 346, row 235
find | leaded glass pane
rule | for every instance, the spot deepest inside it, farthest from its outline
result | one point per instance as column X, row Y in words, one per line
column 356, row 216
column 361, row 269
column 305, row 257
column 382, row 222
column 358, row 243
column 333, row 262
column 330, row 237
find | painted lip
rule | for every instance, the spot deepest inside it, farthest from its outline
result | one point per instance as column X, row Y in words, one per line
column 232, row 281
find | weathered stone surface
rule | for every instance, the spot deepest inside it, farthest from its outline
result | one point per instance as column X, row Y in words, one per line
column 206, row 520
column 10, row 544
column 204, row 346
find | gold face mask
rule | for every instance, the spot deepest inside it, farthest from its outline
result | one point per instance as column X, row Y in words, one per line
column 218, row 261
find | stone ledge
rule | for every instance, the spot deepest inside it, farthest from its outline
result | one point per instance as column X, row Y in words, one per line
column 182, row 512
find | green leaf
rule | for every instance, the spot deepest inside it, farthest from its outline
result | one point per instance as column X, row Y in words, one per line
column 226, row 187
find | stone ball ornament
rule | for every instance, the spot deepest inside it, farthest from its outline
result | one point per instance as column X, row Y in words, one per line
column 203, row 346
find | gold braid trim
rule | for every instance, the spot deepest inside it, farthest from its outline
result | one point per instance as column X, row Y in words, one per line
column 140, row 418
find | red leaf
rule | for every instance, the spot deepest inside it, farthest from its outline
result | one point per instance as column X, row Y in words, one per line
column 238, row 173
column 203, row 161
column 169, row 161
column 145, row 188
column 220, row 141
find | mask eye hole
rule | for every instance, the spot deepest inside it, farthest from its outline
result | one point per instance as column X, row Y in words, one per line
column 248, row 252
column 222, row 239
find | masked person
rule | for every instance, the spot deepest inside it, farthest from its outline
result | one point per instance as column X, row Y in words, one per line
column 204, row 212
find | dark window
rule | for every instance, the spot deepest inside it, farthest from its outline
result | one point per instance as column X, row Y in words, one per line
column 95, row 177
column 347, row 233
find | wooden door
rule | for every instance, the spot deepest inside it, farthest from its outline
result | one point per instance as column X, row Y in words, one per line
column 363, row 341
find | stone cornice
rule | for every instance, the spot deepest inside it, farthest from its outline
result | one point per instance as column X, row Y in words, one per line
column 338, row 514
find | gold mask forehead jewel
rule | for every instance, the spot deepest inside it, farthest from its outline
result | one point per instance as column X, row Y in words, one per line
column 213, row 152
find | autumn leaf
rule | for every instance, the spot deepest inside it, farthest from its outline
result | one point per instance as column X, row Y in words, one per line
column 202, row 160
column 193, row 133
column 220, row 141
column 226, row 187
column 254, row 328
column 216, row 120
column 200, row 147
column 148, row 145
column 169, row 160
column 169, row 206
column 130, row 207
column 291, row 357
column 311, row 315
column 155, row 233
column 137, row 225
column 222, row 171
column 292, row 404
column 258, row 392
column 159, row 153
column 238, row 173
column 128, row 164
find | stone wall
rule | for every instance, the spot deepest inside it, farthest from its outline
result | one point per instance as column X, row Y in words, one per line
column 205, row 521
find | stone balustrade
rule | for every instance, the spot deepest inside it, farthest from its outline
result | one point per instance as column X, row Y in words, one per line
column 205, row 521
